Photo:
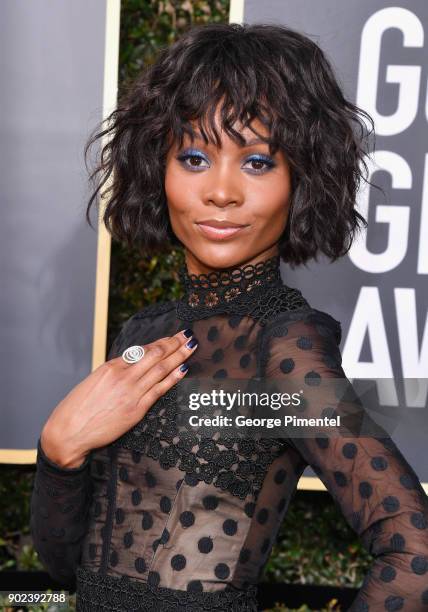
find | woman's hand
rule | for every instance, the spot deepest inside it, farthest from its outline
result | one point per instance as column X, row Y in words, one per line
column 112, row 399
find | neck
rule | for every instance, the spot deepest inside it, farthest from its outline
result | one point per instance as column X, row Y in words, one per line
column 197, row 267
column 221, row 288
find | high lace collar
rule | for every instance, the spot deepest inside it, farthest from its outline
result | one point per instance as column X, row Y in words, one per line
column 219, row 289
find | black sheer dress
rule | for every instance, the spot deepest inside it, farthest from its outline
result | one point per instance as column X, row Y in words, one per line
column 167, row 519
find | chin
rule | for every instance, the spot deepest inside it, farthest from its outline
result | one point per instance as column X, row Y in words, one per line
column 221, row 257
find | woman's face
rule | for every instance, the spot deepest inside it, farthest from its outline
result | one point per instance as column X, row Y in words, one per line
column 231, row 184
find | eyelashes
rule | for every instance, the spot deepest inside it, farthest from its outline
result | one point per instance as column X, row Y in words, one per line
column 191, row 154
column 195, row 155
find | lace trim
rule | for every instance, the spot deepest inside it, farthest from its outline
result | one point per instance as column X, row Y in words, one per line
column 231, row 462
column 104, row 592
column 220, row 287
column 263, row 304
column 252, row 290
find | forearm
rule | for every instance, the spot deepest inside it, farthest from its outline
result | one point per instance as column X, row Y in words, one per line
column 59, row 514
column 398, row 577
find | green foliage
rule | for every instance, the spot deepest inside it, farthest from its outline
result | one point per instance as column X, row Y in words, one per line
column 136, row 281
column 316, row 546
column 148, row 26
column 16, row 551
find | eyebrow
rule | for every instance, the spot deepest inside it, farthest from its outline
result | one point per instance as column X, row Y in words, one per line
column 248, row 143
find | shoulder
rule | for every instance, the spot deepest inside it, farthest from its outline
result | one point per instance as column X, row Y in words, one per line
column 132, row 327
column 299, row 313
column 325, row 324
column 148, row 313
column 307, row 337
column 154, row 310
column 271, row 304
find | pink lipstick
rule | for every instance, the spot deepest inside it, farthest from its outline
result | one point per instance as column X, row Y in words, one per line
column 219, row 229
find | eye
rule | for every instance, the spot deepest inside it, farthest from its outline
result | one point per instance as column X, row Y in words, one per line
column 263, row 163
column 192, row 159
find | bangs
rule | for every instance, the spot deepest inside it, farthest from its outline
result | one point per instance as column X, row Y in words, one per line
column 225, row 73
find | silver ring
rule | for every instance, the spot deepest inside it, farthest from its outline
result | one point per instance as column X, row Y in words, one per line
column 133, row 354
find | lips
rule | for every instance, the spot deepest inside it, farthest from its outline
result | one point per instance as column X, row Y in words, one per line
column 219, row 230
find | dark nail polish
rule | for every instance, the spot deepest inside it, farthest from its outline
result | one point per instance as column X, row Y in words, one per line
column 184, row 367
column 193, row 342
column 188, row 332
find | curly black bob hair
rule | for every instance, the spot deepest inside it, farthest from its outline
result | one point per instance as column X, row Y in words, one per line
column 263, row 71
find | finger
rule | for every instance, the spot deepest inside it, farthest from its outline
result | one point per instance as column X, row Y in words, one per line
column 150, row 396
column 183, row 335
column 163, row 368
column 158, row 352
column 155, row 351
column 172, row 361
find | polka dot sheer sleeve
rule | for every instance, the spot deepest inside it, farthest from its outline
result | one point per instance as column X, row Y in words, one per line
column 59, row 515
column 376, row 489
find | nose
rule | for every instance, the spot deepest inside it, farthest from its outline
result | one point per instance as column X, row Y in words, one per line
column 223, row 188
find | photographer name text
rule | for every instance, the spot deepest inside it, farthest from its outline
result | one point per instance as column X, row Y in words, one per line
column 268, row 422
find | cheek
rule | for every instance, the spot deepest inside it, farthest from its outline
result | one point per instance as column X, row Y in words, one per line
column 180, row 189
column 171, row 183
column 178, row 197
column 174, row 194
column 275, row 200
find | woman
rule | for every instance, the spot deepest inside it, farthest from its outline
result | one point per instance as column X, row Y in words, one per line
column 238, row 145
